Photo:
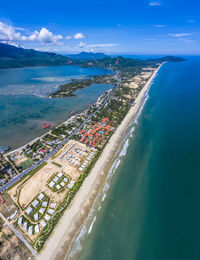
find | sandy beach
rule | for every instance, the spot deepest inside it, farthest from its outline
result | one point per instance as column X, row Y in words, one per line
column 58, row 243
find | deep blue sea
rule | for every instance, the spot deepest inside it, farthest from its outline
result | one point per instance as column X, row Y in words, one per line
column 149, row 208
column 24, row 106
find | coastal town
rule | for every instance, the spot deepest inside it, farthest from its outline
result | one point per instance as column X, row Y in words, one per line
column 39, row 180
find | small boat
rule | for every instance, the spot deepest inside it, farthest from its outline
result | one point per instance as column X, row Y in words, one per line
column 46, row 125
column 88, row 105
column 72, row 112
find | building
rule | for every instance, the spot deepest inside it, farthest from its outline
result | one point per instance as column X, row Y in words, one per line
column 20, row 220
column 30, row 230
column 41, row 196
column 41, row 211
column 53, row 205
column 36, row 216
column 51, row 184
column 25, row 226
column 58, row 187
column 43, row 223
column 60, row 174
column 44, row 204
column 51, row 211
column 56, row 179
column 35, row 203
column 37, row 229
column 47, row 217
column 29, row 210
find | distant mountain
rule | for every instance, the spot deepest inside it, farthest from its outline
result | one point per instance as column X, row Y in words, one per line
column 121, row 62
column 87, row 56
column 14, row 57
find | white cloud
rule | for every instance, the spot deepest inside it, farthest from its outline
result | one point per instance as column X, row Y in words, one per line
column 155, row 3
column 82, row 45
column 159, row 25
column 102, row 45
column 179, row 34
column 8, row 33
column 45, row 37
column 79, row 36
column 186, row 40
column 68, row 37
column 96, row 46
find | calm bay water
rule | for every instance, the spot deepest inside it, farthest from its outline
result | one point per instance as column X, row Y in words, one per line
column 22, row 113
column 152, row 210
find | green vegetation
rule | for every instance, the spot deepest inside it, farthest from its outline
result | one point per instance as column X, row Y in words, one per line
column 57, row 164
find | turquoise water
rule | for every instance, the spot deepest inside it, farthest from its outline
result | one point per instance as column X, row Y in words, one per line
column 152, row 210
column 22, row 113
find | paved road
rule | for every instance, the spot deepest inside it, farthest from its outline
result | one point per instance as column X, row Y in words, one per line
column 21, row 175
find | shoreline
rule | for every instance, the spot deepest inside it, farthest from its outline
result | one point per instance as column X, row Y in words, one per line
column 58, row 244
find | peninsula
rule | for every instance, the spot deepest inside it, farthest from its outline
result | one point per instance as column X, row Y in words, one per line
column 70, row 162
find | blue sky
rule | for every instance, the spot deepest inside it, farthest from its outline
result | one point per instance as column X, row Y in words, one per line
column 120, row 26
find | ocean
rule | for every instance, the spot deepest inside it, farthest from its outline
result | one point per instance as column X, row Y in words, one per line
column 148, row 208
column 24, row 105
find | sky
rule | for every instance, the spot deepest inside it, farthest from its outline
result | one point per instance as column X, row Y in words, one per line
column 110, row 26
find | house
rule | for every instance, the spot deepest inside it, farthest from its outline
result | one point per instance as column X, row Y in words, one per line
column 36, row 217
column 51, row 184
column 66, row 179
column 25, row 226
column 58, row 187
column 56, row 179
column 42, row 223
column 53, row 205
column 44, row 204
column 62, row 184
column 47, row 217
column 41, row 211
column 51, row 211
column 35, row 203
column 60, row 174
column 41, row 196
column 20, row 220
column 30, row 230
column 29, row 210
column 37, row 229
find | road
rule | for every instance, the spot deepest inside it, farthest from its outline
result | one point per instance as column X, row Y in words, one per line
column 32, row 167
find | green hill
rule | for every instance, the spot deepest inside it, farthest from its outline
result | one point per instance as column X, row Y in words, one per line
column 13, row 57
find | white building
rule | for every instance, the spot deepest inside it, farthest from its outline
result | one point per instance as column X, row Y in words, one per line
column 41, row 211
column 41, row 196
column 62, row 184
column 29, row 210
column 37, row 229
column 44, row 204
column 60, row 174
column 36, row 217
column 35, row 203
column 42, row 223
column 58, row 187
column 30, row 230
column 20, row 220
column 51, row 211
column 51, row 184
column 25, row 226
column 53, row 205
column 56, row 179
column 47, row 217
